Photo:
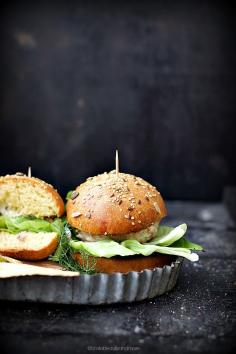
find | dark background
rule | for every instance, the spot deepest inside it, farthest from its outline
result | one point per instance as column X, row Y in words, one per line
column 154, row 79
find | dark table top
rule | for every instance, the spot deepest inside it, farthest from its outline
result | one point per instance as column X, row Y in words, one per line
column 197, row 316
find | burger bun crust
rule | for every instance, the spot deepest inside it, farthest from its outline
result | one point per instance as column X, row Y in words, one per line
column 114, row 204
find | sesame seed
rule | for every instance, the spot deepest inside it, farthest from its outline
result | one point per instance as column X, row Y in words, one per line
column 156, row 206
column 74, row 194
column 139, row 221
column 132, row 217
column 133, row 223
column 75, row 214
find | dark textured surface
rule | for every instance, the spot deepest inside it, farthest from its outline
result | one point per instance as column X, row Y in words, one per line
column 197, row 317
column 155, row 79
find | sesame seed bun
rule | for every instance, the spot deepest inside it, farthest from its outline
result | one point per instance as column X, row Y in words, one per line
column 23, row 195
column 114, row 204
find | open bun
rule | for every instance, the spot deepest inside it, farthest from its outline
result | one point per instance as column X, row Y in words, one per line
column 28, row 245
column 128, row 264
column 22, row 195
column 114, row 204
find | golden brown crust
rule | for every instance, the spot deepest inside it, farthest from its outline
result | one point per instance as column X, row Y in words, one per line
column 36, row 181
column 128, row 264
column 115, row 204
column 32, row 255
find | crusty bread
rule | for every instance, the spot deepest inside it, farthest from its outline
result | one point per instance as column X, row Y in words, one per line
column 127, row 264
column 114, row 204
column 28, row 245
column 22, row 195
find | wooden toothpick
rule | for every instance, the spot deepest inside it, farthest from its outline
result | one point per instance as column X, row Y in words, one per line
column 117, row 162
column 29, row 171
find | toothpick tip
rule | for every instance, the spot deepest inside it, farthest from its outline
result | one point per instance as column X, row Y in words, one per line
column 29, row 171
column 117, row 161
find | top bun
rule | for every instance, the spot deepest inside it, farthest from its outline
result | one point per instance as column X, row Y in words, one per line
column 114, row 204
column 23, row 195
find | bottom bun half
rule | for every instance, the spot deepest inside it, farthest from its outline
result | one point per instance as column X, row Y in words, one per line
column 28, row 246
column 127, row 264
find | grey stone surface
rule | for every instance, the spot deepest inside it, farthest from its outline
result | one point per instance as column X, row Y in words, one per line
column 199, row 215
column 198, row 316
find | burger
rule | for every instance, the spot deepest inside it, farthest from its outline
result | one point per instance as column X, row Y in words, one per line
column 115, row 219
column 30, row 211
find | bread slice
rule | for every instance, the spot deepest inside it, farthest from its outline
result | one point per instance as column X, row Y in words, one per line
column 22, row 195
column 28, row 245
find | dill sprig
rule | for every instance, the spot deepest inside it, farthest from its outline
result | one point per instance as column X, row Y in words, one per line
column 64, row 254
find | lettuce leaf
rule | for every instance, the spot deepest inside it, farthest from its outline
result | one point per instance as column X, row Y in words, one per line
column 29, row 223
column 2, row 222
column 68, row 195
column 184, row 243
column 167, row 235
column 103, row 248
column 169, row 240
column 147, row 250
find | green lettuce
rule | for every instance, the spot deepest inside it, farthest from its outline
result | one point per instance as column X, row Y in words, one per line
column 167, row 235
column 183, row 243
column 103, row 248
column 29, row 223
column 69, row 195
column 147, row 250
column 2, row 222
column 168, row 240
